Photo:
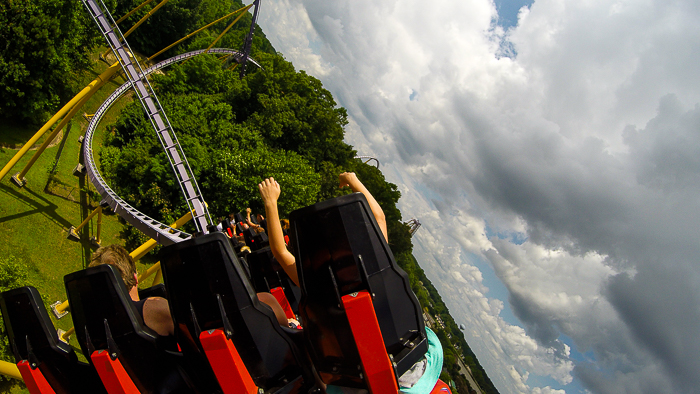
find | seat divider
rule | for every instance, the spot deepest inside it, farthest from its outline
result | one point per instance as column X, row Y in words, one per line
column 230, row 371
column 112, row 373
column 278, row 292
column 377, row 367
column 33, row 378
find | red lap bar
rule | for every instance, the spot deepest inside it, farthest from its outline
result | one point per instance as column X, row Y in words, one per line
column 33, row 378
column 232, row 374
column 379, row 373
column 112, row 374
column 278, row 292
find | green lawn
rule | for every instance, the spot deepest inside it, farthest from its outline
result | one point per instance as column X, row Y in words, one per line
column 34, row 219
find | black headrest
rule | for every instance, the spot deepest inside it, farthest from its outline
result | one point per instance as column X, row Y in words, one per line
column 239, row 217
column 25, row 316
column 27, row 321
column 105, row 317
column 204, row 277
column 340, row 250
column 266, row 274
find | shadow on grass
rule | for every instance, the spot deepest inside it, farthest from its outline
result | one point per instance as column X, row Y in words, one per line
column 47, row 209
column 11, row 386
column 14, row 134
column 84, row 212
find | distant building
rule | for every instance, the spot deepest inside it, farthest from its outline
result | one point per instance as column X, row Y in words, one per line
column 428, row 319
column 439, row 321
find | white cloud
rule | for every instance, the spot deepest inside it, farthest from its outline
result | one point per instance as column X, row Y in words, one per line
column 580, row 154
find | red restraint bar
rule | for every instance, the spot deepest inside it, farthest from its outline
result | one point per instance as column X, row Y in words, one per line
column 278, row 292
column 379, row 373
column 112, row 374
column 232, row 374
column 33, row 378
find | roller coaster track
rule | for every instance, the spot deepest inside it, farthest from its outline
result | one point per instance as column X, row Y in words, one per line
column 150, row 103
column 138, row 81
column 149, row 226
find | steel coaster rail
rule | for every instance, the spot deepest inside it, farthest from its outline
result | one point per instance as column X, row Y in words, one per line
column 161, row 232
column 156, row 114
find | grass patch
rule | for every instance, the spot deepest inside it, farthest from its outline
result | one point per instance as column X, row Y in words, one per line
column 34, row 219
column 15, row 134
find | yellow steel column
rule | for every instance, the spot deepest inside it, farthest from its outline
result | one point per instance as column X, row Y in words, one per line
column 104, row 76
column 132, row 11
column 9, row 369
column 159, row 276
column 226, row 29
column 151, row 243
column 97, row 239
column 151, row 12
column 20, row 177
column 73, row 231
column 198, row 30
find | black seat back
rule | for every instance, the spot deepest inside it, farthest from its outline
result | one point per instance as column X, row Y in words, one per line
column 340, row 250
column 105, row 317
column 209, row 290
column 28, row 328
column 266, row 274
column 240, row 217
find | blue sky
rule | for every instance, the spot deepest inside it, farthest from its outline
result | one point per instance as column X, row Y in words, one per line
column 556, row 186
column 508, row 11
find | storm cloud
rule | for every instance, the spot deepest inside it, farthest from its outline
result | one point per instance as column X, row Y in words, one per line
column 558, row 160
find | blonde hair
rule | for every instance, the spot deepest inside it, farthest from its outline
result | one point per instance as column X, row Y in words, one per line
column 285, row 224
column 117, row 256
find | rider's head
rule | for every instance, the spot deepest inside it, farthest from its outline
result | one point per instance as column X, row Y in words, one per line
column 117, row 256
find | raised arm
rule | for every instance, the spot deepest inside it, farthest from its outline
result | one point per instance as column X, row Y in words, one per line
column 270, row 192
column 350, row 179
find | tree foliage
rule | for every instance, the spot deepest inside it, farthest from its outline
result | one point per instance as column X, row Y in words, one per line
column 45, row 43
column 13, row 274
column 229, row 146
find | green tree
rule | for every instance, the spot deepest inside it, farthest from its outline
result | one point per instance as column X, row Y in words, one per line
column 292, row 111
column 13, row 274
column 232, row 185
column 46, row 44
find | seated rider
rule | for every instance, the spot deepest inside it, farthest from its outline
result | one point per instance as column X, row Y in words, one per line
column 270, row 192
column 155, row 311
column 421, row 378
column 262, row 223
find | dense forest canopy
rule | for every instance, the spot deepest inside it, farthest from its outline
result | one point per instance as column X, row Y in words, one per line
column 44, row 44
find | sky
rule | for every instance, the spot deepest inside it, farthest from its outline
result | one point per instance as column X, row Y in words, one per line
column 551, row 151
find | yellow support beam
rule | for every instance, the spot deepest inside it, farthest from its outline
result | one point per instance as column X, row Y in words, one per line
column 132, row 11
column 227, row 29
column 60, row 309
column 200, row 29
column 140, row 22
column 148, row 15
column 19, row 178
column 9, row 369
column 159, row 276
column 152, row 270
column 65, row 335
column 104, row 76
column 73, row 231
column 151, row 243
